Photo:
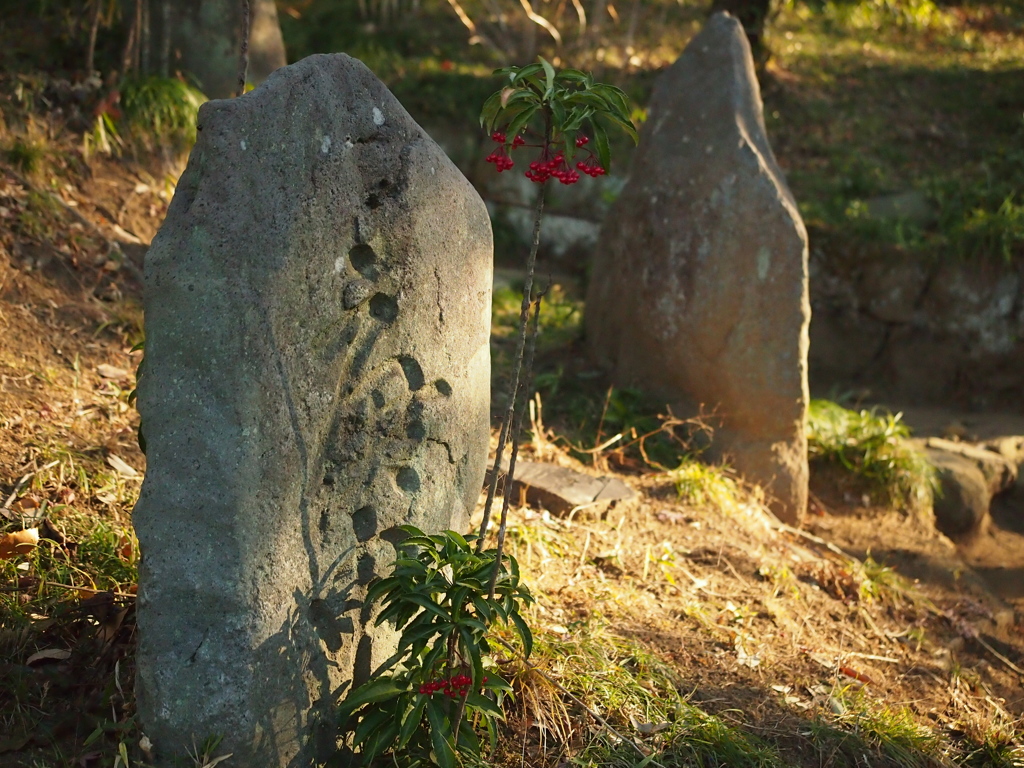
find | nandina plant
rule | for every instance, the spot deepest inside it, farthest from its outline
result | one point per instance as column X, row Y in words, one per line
column 430, row 703
column 438, row 597
column 552, row 112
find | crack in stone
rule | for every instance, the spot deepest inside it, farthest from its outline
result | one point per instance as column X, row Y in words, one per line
column 447, row 447
column 440, row 309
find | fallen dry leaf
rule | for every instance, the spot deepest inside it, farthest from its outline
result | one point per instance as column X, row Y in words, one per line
column 52, row 654
column 18, row 543
column 111, row 372
column 26, row 503
column 125, row 548
column 121, row 466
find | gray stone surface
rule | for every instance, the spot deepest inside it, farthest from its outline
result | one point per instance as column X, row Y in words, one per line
column 999, row 471
column 562, row 490
column 963, row 498
column 940, row 331
column 912, row 205
column 317, row 372
column 699, row 288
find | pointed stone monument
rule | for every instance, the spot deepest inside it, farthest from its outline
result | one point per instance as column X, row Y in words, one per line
column 699, row 288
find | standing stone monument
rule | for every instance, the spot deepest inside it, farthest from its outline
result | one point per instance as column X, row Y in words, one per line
column 699, row 288
column 317, row 372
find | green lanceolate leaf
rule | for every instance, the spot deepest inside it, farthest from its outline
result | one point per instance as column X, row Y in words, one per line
column 524, row 633
column 472, row 649
column 497, row 683
column 458, row 539
column 490, row 111
column 549, row 77
column 558, row 116
column 601, row 142
column 371, row 723
column 468, row 742
column 626, row 125
column 440, row 730
column 484, row 705
column 429, row 605
column 526, row 72
column 522, row 120
column 375, row 690
column 411, row 722
column 572, row 75
column 380, row 740
column 379, row 588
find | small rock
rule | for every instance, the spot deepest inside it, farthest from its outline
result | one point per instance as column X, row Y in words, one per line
column 962, row 502
column 912, row 206
column 1000, row 473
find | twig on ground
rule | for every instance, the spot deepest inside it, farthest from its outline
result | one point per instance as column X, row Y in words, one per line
column 19, row 487
column 97, row 591
column 780, row 526
column 999, row 656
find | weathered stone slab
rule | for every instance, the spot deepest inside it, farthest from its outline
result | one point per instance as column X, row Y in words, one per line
column 699, row 288
column 1000, row 472
column 561, row 490
column 317, row 372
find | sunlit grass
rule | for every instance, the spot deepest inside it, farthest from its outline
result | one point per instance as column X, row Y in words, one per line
column 873, row 447
column 642, row 698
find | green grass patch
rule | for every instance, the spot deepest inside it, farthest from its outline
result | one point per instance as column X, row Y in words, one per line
column 77, row 554
column 160, row 111
column 895, row 96
column 863, row 730
column 703, row 484
column 641, row 696
column 873, row 448
column 26, row 155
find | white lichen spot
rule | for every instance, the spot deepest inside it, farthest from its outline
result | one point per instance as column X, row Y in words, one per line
column 339, row 265
column 764, row 262
column 243, row 145
column 325, row 145
column 378, row 116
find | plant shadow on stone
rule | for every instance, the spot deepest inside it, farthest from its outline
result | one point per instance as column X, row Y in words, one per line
column 427, row 702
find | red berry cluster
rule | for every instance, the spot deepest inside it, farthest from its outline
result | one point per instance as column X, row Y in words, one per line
column 456, row 686
column 591, row 168
column 499, row 156
column 555, row 168
column 551, row 164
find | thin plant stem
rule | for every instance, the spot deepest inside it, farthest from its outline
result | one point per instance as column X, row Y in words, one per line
column 90, row 51
column 517, row 428
column 510, row 407
column 243, row 54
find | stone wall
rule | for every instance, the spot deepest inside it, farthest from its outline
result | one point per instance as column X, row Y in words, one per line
column 913, row 328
